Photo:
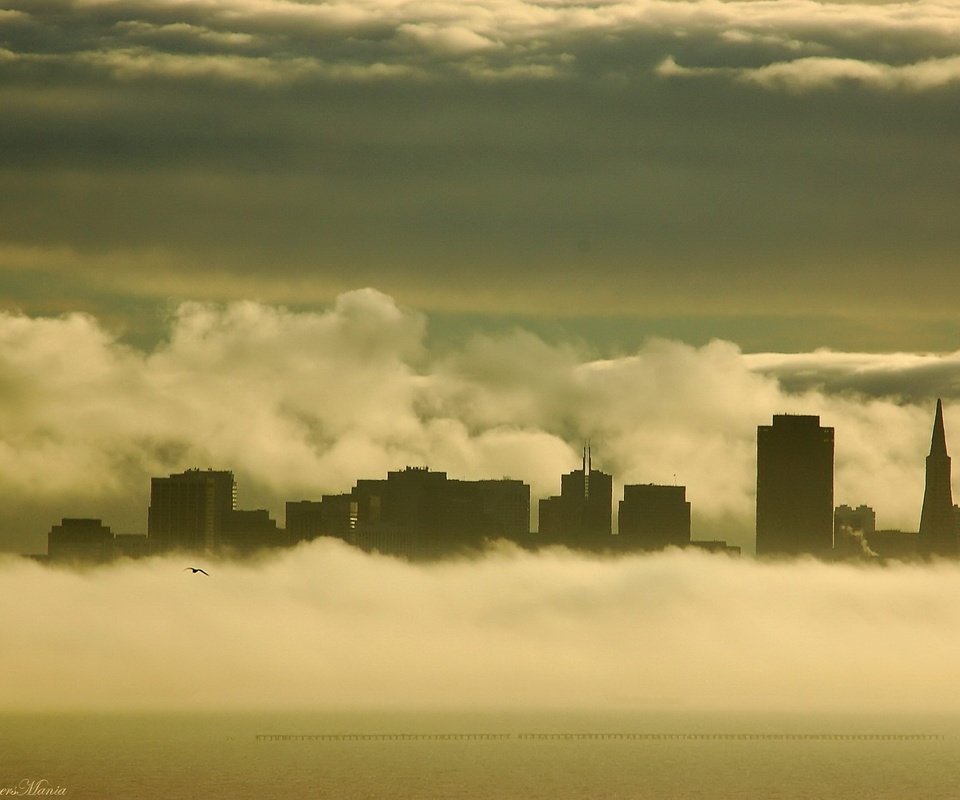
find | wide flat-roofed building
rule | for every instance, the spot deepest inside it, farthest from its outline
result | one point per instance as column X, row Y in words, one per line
column 417, row 513
column 80, row 540
column 653, row 517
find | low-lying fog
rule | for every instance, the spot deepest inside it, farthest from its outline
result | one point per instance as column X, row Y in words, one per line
column 326, row 626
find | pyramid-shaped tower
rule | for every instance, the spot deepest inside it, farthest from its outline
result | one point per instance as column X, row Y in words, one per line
column 938, row 521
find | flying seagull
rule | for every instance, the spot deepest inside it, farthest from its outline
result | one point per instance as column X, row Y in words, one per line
column 195, row 570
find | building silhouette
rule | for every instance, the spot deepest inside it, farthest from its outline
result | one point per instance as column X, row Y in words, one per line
column 304, row 520
column 248, row 531
column 894, row 544
column 938, row 521
column 79, row 540
column 339, row 514
column 131, row 545
column 417, row 513
column 716, row 546
column 862, row 519
column 188, row 511
column 421, row 514
column 88, row 541
column 581, row 516
column 653, row 517
column 504, row 508
column 550, row 515
column 794, row 487
column 852, row 529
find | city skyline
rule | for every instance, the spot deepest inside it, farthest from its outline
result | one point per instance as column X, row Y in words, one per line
column 298, row 403
column 370, row 234
column 421, row 514
column 642, row 281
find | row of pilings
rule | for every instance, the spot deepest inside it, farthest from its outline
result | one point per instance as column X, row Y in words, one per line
column 402, row 737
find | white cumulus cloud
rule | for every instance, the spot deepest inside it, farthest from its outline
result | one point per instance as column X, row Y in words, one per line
column 300, row 403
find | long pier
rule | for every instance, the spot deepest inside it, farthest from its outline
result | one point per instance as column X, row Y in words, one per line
column 376, row 737
column 437, row 737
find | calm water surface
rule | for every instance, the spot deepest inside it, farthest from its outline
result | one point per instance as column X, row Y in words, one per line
column 217, row 756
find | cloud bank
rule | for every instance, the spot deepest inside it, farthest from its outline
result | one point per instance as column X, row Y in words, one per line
column 328, row 627
column 269, row 44
column 703, row 160
column 300, row 403
column 816, row 72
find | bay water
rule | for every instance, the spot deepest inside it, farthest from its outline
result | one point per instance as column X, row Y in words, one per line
column 219, row 755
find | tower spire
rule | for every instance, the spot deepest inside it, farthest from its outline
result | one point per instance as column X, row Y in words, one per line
column 938, row 522
column 938, row 441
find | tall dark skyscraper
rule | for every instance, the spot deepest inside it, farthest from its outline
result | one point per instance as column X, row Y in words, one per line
column 938, row 521
column 189, row 510
column 794, row 487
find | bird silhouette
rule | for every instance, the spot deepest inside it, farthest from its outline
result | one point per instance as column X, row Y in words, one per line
column 195, row 570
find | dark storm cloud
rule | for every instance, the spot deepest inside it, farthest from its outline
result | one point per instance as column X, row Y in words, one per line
column 656, row 158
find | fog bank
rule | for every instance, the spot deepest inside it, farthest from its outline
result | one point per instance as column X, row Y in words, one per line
column 325, row 626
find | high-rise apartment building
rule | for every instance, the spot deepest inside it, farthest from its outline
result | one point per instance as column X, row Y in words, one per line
column 188, row 511
column 794, row 487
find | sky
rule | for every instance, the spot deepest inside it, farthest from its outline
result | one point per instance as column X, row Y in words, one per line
column 781, row 174
column 312, row 242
